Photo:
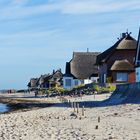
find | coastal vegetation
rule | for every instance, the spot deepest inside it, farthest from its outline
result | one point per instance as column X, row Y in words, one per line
column 78, row 90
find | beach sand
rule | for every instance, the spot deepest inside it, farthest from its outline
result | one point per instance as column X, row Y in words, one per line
column 58, row 122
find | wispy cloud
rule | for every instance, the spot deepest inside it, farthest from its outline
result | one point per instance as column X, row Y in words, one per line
column 21, row 9
column 92, row 6
column 19, row 2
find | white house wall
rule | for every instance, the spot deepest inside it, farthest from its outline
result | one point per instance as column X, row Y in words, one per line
column 94, row 79
column 74, row 82
column 77, row 82
column 87, row 81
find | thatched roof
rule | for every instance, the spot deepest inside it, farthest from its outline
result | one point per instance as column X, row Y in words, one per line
column 122, row 65
column 57, row 74
column 82, row 65
column 125, row 43
column 33, row 82
column 44, row 78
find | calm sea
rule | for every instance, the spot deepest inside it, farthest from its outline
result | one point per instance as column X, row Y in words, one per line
column 3, row 108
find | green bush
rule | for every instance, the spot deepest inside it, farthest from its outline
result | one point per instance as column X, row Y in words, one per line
column 96, row 87
column 112, row 87
column 79, row 87
column 59, row 90
column 107, row 89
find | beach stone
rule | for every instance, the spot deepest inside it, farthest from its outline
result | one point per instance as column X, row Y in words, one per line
column 115, row 114
column 73, row 115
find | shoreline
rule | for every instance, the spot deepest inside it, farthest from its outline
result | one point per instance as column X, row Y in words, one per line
column 22, row 105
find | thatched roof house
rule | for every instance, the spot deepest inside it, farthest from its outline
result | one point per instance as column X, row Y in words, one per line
column 81, row 67
column 33, row 83
column 127, row 42
column 118, row 60
column 56, row 78
column 82, row 64
column 43, row 80
column 50, row 80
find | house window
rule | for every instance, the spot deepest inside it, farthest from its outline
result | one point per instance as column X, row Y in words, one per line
column 76, row 82
column 122, row 77
column 68, row 82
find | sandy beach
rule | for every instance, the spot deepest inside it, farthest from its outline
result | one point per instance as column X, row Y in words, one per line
column 59, row 122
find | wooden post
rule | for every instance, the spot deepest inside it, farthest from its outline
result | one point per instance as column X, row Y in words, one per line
column 71, row 104
column 60, row 97
column 74, row 106
column 98, row 119
column 77, row 108
column 83, row 111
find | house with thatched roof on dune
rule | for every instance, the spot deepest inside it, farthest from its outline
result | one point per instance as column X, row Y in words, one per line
column 116, row 64
column 46, row 80
column 33, row 84
column 81, row 69
column 43, row 81
column 51, row 80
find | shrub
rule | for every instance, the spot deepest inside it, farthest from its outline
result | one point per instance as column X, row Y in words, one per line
column 96, row 87
column 79, row 87
column 107, row 89
column 59, row 90
column 112, row 87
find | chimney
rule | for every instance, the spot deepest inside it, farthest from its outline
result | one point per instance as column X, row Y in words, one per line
column 123, row 35
column 53, row 71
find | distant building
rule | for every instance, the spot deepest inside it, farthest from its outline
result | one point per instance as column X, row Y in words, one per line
column 46, row 80
column 116, row 64
column 32, row 85
column 50, row 80
column 137, row 61
column 56, row 78
column 81, row 69
column 43, row 81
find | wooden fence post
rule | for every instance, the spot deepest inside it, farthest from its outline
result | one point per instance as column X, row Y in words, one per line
column 83, row 111
column 74, row 105
column 98, row 119
column 77, row 108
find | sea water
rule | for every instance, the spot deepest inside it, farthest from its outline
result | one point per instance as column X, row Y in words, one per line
column 3, row 108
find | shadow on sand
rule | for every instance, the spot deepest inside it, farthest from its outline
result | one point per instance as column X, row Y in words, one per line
column 113, row 100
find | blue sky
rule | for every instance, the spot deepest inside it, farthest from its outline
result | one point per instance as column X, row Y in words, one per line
column 37, row 36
